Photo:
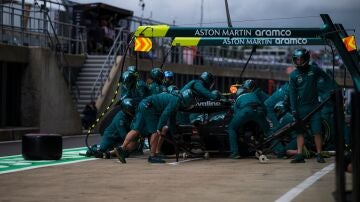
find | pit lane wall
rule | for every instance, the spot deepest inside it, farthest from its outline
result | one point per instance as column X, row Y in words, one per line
column 46, row 102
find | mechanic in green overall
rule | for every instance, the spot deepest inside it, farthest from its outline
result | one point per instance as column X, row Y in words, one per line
column 133, row 89
column 282, row 94
column 156, row 86
column 303, row 96
column 247, row 108
column 250, row 86
column 159, row 112
column 202, row 89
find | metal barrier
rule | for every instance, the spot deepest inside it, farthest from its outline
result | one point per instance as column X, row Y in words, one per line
column 355, row 147
column 31, row 27
column 118, row 48
column 34, row 26
column 339, row 139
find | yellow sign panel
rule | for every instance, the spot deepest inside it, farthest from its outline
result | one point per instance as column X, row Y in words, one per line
column 186, row 41
column 143, row 44
column 350, row 43
column 152, row 30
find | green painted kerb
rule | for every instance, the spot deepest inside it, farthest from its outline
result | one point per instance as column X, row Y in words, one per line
column 16, row 163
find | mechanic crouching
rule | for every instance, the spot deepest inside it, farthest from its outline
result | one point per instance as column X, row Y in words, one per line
column 247, row 107
column 159, row 113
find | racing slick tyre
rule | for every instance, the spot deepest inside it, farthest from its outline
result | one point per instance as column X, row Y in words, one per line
column 108, row 117
column 42, row 146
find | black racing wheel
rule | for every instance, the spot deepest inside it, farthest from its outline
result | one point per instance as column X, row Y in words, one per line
column 42, row 146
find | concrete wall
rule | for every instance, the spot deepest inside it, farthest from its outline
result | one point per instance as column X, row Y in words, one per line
column 57, row 113
column 46, row 102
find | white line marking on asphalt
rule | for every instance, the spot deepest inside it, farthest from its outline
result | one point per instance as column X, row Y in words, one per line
column 11, row 141
column 290, row 195
column 177, row 163
column 33, row 167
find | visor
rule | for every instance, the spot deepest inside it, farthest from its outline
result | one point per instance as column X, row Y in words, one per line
column 299, row 61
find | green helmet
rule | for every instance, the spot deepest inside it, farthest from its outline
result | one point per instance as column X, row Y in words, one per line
column 301, row 58
column 128, row 106
column 208, row 79
column 133, row 69
column 129, row 79
column 157, row 75
column 249, row 85
column 280, row 109
column 187, row 98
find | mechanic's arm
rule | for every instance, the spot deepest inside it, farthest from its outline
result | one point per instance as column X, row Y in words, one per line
column 200, row 89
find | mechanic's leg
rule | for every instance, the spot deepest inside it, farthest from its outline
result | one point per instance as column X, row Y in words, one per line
column 316, row 129
column 299, row 157
column 130, row 138
column 318, row 145
column 234, row 125
column 300, row 141
column 154, row 141
column 128, row 143
column 164, row 131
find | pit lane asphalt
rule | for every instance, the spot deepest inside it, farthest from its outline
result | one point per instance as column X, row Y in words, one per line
column 217, row 179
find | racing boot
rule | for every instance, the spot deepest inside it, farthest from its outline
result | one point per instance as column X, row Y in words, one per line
column 234, row 156
column 93, row 150
column 120, row 153
column 299, row 158
column 306, row 153
column 319, row 158
column 106, row 155
column 155, row 159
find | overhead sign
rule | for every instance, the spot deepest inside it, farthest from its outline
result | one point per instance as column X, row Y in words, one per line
column 350, row 43
column 168, row 31
column 198, row 41
column 143, row 44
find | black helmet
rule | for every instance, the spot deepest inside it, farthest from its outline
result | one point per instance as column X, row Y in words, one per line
column 249, row 85
column 208, row 79
column 129, row 79
column 280, row 109
column 172, row 89
column 128, row 106
column 301, row 57
column 157, row 75
column 187, row 98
